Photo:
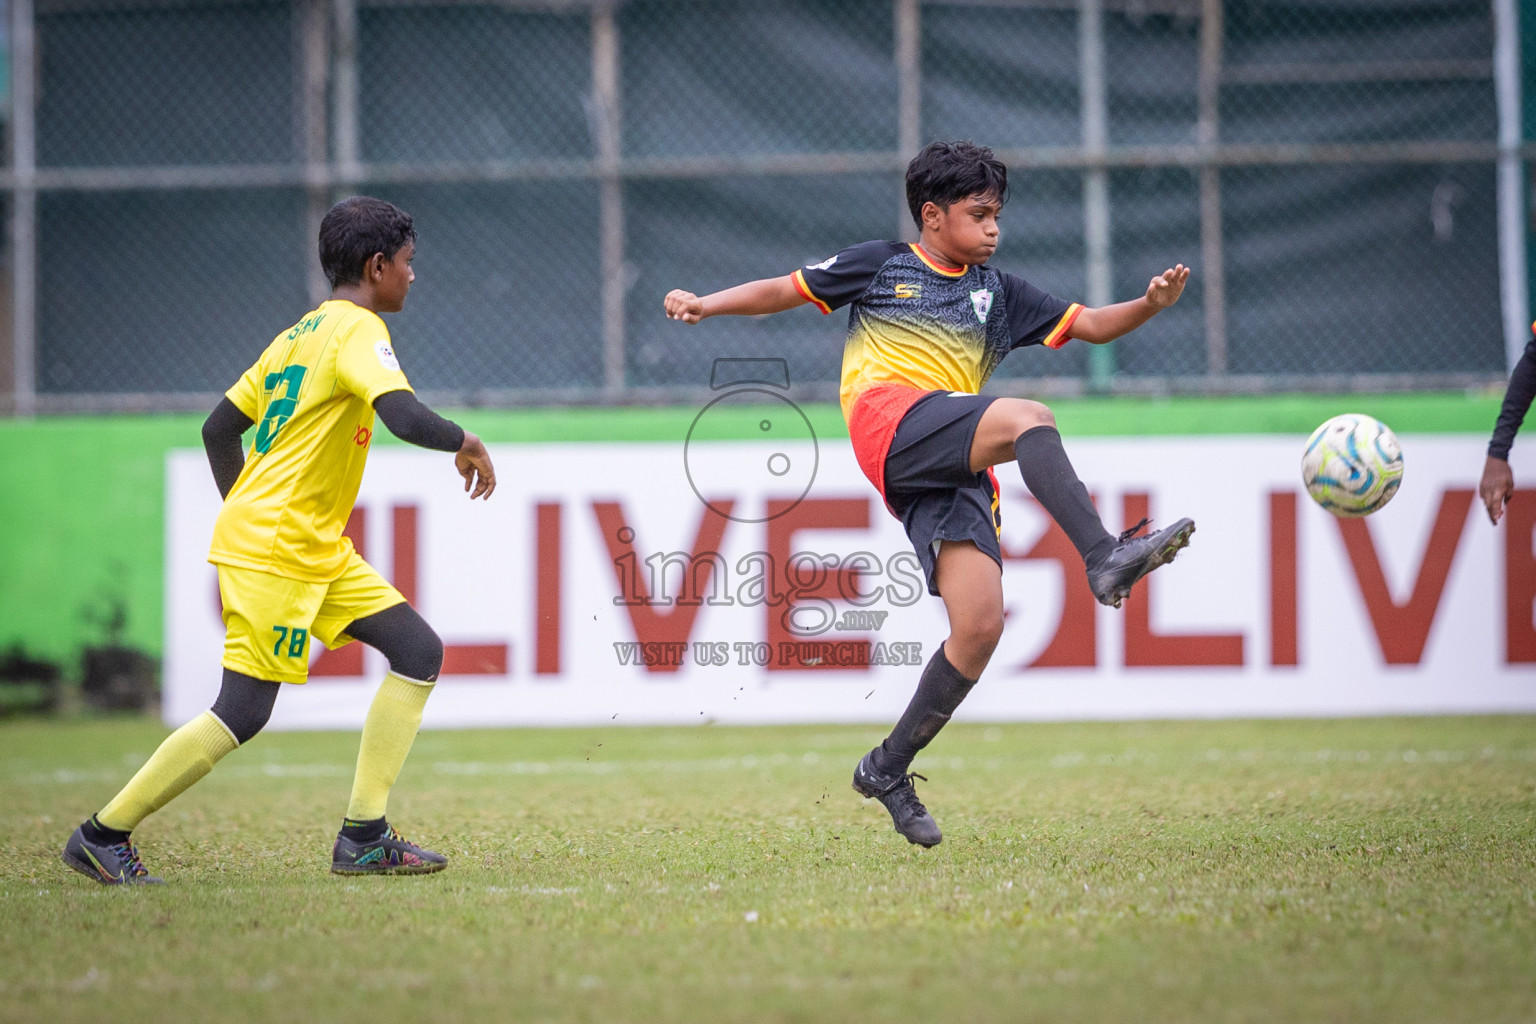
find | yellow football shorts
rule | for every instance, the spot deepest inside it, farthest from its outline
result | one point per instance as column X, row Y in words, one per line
column 269, row 620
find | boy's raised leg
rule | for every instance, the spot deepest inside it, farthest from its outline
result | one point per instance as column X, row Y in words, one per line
column 970, row 583
column 1014, row 429
column 1049, row 475
column 1114, row 564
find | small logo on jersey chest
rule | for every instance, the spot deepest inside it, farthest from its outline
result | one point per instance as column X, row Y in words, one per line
column 908, row 291
column 981, row 302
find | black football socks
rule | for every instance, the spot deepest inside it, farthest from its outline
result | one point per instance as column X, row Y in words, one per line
column 1049, row 475
column 97, row 833
column 364, row 831
column 939, row 692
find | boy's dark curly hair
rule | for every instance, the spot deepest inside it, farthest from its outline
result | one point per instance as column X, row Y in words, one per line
column 946, row 172
column 356, row 228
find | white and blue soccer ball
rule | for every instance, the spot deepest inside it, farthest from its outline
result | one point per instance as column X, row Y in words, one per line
column 1353, row 465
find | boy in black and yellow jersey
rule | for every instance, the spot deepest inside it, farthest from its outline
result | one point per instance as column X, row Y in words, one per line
column 286, row 573
column 928, row 323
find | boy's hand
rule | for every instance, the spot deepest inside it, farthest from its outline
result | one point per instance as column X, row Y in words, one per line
column 684, row 306
column 1164, row 289
column 1496, row 487
column 473, row 459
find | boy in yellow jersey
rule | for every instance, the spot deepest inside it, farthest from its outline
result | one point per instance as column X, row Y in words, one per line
column 928, row 324
column 286, row 573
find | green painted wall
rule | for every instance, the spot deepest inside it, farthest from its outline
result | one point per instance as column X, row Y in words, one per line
column 82, row 498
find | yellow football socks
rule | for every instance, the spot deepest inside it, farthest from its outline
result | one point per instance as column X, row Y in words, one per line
column 388, row 733
column 187, row 755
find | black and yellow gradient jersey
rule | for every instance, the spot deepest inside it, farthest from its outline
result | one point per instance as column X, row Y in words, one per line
column 915, row 326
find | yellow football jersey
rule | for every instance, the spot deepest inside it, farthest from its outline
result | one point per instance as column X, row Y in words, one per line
column 311, row 397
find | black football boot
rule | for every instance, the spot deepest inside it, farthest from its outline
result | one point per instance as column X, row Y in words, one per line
column 896, row 792
column 108, row 863
column 1112, row 575
column 387, row 853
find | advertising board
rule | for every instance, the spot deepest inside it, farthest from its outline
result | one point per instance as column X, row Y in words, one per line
column 764, row 581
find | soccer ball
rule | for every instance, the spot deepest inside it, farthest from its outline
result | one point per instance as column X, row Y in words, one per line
column 1352, row 466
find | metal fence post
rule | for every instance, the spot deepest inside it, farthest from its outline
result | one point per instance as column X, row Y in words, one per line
column 344, row 127
column 909, row 112
column 1096, row 229
column 313, row 27
column 1207, row 134
column 605, row 101
column 1514, row 295
column 23, row 209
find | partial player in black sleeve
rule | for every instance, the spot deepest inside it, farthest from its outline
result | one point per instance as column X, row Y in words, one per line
column 1498, row 483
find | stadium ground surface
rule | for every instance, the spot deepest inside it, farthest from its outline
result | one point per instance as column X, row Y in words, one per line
column 1220, row 871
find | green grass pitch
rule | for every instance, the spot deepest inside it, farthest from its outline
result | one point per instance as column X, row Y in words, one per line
column 1212, row 871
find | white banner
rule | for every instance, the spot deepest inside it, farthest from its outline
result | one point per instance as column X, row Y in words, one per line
column 598, row 587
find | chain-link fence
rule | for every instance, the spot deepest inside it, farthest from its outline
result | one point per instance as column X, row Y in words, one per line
column 1329, row 168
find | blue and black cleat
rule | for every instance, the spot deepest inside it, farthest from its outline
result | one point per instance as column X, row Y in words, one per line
column 388, row 854
column 108, row 863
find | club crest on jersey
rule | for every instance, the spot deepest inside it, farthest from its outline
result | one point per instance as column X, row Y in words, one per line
column 387, row 355
column 823, row 265
column 981, row 302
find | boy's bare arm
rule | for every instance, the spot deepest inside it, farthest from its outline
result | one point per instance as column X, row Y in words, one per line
column 1109, row 322
column 755, row 298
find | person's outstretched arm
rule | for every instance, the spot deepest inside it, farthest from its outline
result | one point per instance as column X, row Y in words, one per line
column 221, row 440
column 1498, row 483
column 828, row 285
column 1107, row 323
column 755, row 298
column 412, row 422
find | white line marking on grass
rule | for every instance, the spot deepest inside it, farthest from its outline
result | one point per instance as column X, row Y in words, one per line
column 574, row 767
column 291, row 771
column 747, row 762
